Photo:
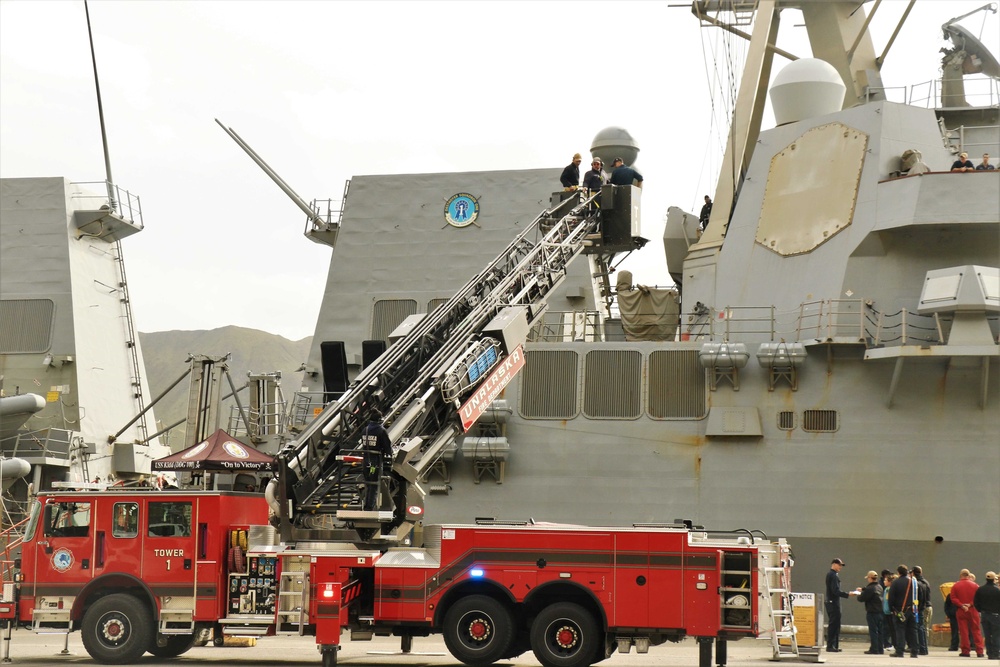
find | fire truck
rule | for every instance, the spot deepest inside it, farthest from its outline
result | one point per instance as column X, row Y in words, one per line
column 155, row 571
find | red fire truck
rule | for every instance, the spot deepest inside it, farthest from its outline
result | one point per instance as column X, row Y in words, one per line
column 140, row 572
column 155, row 571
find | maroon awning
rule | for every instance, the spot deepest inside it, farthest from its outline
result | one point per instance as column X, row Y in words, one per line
column 219, row 452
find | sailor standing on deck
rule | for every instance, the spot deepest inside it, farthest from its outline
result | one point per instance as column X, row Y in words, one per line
column 378, row 454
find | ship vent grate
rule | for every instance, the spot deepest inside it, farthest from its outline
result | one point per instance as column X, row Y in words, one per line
column 612, row 384
column 676, row 385
column 820, row 421
column 786, row 420
column 389, row 314
column 549, row 384
column 25, row 325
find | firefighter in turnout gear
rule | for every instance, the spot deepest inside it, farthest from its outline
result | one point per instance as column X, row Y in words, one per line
column 377, row 458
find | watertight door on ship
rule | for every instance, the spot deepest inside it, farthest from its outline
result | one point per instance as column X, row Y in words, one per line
column 64, row 557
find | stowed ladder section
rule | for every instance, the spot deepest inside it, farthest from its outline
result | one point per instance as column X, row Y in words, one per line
column 405, row 382
column 777, row 602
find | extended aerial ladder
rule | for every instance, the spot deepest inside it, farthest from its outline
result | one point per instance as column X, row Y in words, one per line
column 419, row 382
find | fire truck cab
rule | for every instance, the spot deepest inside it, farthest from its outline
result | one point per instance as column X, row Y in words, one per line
column 135, row 572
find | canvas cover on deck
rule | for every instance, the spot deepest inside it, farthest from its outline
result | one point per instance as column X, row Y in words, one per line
column 219, row 452
column 648, row 313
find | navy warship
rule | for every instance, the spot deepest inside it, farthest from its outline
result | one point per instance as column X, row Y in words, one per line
column 824, row 366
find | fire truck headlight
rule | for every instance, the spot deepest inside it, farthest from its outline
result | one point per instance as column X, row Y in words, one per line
column 328, row 591
column 476, row 573
column 701, row 585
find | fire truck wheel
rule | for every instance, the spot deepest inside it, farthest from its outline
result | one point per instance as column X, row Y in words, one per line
column 117, row 629
column 565, row 635
column 176, row 645
column 478, row 630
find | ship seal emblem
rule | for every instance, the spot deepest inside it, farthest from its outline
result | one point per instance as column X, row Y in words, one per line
column 62, row 560
column 461, row 210
column 235, row 450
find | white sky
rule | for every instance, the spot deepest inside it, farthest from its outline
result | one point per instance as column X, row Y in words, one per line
column 328, row 90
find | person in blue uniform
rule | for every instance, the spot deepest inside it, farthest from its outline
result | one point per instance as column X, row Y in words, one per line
column 624, row 175
column 871, row 597
column 963, row 163
column 595, row 178
column 377, row 457
column 902, row 601
column 833, row 596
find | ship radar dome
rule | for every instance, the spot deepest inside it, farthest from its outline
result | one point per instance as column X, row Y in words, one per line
column 612, row 142
column 806, row 88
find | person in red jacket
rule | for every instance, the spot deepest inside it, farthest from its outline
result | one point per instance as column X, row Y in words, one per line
column 963, row 594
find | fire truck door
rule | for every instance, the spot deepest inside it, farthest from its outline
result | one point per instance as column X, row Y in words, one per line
column 169, row 554
column 117, row 545
column 64, row 558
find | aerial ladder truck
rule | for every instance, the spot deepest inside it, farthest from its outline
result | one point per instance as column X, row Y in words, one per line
column 156, row 571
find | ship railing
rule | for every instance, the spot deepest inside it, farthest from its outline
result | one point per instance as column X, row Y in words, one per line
column 46, row 443
column 831, row 319
column 980, row 91
column 327, row 211
column 268, row 419
column 566, row 326
column 121, row 201
column 306, row 406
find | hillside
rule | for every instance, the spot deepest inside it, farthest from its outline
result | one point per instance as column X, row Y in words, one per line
column 166, row 352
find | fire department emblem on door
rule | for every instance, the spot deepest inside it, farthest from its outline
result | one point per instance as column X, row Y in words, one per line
column 62, row 560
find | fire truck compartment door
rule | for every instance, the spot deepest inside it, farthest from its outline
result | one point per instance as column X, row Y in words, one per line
column 169, row 546
column 631, row 601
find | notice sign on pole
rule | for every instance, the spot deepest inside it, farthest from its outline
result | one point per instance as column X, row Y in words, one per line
column 491, row 387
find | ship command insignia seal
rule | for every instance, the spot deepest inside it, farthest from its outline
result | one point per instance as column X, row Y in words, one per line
column 235, row 450
column 461, row 210
column 62, row 560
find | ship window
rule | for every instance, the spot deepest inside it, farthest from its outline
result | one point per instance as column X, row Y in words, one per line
column 786, row 420
column 676, row 385
column 549, row 385
column 126, row 520
column 67, row 519
column 820, row 421
column 389, row 314
column 612, row 384
column 25, row 325
column 169, row 519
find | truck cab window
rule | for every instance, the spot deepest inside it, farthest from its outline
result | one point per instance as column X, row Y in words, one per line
column 67, row 519
column 169, row 519
column 126, row 520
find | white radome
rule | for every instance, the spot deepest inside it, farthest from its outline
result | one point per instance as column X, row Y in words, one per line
column 806, row 88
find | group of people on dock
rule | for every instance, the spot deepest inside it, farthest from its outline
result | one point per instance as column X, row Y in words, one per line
column 898, row 609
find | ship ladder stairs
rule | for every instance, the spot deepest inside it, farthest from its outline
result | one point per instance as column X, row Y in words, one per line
column 778, row 603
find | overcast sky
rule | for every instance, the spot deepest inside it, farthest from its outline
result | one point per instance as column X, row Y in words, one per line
column 328, row 90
